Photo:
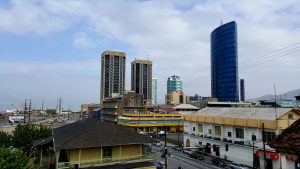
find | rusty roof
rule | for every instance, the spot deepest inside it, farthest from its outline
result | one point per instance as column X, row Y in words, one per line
column 288, row 140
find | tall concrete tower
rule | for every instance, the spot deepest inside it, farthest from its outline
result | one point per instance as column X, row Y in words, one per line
column 112, row 74
column 141, row 79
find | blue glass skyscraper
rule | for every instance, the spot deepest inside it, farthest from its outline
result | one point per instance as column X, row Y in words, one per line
column 224, row 63
column 242, row 90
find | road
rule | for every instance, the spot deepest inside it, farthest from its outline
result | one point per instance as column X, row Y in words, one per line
column 177, row 159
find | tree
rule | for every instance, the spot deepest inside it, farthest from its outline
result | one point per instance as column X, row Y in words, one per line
column 24, row 135
column 13, row 158
column 5, row 139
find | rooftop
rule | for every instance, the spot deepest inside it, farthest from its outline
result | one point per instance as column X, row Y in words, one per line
column 288, row 139
column 244, row 112
column 95, row 133
column 185, row 106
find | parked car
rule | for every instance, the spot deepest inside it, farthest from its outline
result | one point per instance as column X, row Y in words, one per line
column 187, row 151
column 176, row 148
column 238, row 166
column 218, row 161
column 197, row 156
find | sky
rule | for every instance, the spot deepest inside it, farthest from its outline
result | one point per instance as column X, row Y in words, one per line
column 52, row 48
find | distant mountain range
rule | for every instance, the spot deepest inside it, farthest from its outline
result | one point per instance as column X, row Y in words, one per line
column 290, row 95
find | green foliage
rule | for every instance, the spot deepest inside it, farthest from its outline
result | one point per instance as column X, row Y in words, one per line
column 51, row 111
column 24, row 135
column 14, row 159
column 5, row 139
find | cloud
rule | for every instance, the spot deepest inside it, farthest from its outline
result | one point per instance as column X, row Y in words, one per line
column 81, row 40
column 175, row 35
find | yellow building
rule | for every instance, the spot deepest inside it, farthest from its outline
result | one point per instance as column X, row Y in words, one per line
column 92, row 142
column 152, row 121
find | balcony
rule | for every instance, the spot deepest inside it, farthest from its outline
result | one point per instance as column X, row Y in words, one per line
column 107, row 161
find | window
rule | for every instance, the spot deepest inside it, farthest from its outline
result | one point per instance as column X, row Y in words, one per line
column 209, row 131
column 107, row 152
column 218, row 130
column 239, row 133
column 194, row 128
column 290, row 116
column 200, row 128
column 229, row 134
column 269, row 135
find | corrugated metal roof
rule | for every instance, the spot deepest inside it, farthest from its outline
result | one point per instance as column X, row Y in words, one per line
column 244, row 112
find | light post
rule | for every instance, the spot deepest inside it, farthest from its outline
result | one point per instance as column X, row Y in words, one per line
column 253, row 139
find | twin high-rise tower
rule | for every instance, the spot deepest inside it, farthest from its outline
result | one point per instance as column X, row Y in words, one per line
column 113, row 76
column 141, row 79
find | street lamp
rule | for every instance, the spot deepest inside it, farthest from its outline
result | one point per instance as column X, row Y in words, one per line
column 253, row 139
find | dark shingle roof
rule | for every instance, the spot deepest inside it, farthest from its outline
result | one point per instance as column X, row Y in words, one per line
column 95, row 133
column 288, row 140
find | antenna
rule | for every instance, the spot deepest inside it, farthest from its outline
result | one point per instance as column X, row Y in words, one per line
column 221, row 22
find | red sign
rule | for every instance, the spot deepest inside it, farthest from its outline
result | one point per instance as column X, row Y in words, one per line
column 291, row 158
column 269, row 154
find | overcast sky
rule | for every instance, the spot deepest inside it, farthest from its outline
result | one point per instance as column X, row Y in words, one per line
column 52, row 48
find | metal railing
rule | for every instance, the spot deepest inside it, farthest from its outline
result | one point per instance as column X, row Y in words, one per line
column 107, row 161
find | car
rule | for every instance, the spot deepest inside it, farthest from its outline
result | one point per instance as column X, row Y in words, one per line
column 218, row 161
column 176, row 148
column 238, row 166
column 187, row 151
column 197, row 156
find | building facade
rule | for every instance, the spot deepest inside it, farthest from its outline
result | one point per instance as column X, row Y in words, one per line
column 95, row 144
column 129, row 102
column 152, row 121
column 141, row 79
column 242, row 90
column 227, row 132
column 154, row 90
column 174, row 84
column 112, row 74
column 175, row 98
column 224, row 63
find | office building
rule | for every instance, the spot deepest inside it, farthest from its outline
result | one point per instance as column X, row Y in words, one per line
column 224, row 63
column 242, row 90
column 112, row 74
column 175, row 98
column 154, row 90
column 174, row 84
column 141, row 79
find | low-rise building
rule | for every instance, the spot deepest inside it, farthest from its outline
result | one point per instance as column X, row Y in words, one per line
column 92, row 142
column 185, row 108
column 129, row 102
column 152, row 121
column 227, row 131
column 175, row 97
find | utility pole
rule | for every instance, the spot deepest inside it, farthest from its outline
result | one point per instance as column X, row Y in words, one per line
column 29, row 111
column 166, row 148
column 178, row 128
column 25, row 109
column 43, row 105
column 264, row 144
column 253, row 139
